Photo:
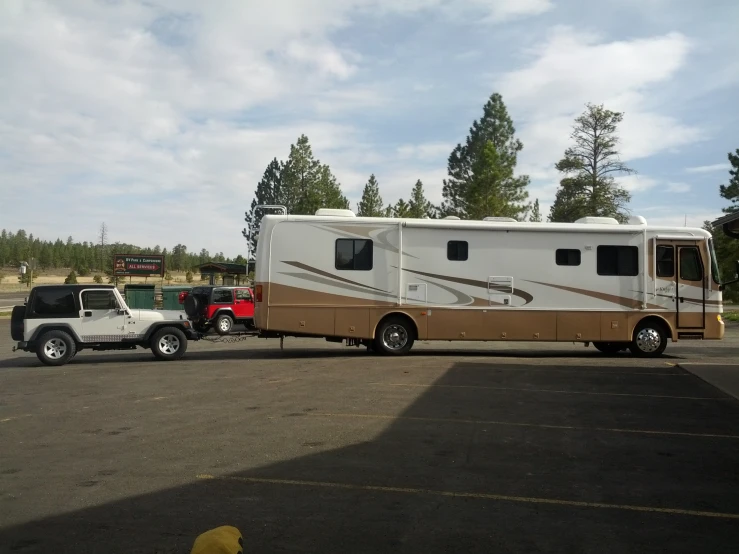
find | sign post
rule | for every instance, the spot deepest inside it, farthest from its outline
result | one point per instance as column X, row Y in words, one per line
column 133, row 265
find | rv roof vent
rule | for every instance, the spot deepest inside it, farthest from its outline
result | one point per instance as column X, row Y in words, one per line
column 637, row 220
column 598, row 220
column 335, row 213
column 507, row 219
column 451, row 217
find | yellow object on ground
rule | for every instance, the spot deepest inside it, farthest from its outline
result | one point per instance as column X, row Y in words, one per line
column 221, row 540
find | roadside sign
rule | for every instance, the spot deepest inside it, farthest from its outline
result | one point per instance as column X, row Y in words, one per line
column 138, row 266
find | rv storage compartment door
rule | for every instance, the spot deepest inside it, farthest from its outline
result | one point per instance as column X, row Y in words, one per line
column 415, row 293
column 499, row 290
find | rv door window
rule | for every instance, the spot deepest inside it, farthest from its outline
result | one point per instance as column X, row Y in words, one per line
column 691, row 268
column 618, row 260
column 457, row 250
column 354, row 254
column 665, row 261
column 565, row 256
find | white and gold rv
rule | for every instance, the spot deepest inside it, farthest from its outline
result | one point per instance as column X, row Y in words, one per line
column 386, row 282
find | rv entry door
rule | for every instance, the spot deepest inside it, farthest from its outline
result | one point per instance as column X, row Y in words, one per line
column 681, row 281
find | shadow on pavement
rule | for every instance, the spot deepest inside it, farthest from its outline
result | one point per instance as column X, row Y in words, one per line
column 420, row 485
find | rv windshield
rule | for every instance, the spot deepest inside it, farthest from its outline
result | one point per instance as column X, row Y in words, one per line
column 714, row 263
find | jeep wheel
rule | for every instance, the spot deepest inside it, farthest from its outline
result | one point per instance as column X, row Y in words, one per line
column 223, row 324
column 169, row 343
column 55, row 348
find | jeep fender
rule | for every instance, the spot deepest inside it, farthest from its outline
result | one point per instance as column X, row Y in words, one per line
column 41, row 329
column 159, row 324
column 228, row 311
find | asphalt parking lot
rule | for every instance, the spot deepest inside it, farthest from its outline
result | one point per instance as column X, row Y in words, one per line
column 322, row 448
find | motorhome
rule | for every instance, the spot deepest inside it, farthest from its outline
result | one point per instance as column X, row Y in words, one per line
column 387, row 282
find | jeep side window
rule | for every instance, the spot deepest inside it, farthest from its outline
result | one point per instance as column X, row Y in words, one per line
column 99, row 300
column 243, row 294
column 223, row 296
column 54, row 303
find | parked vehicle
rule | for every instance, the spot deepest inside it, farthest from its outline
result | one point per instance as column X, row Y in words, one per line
column 385, row 282
column 60, row 320
column 219, row 308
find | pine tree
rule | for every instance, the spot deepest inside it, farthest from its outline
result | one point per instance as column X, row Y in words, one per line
column 418, row 206
column 589, row 187
column 731, row 191
column 535, row 212
column 329, row 191
column 460, row 191
column 401, row 209
column 371, row 203
column 269, row 192
column 299, row 178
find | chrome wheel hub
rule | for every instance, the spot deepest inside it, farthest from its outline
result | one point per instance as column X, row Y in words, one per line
column 169, row 344
column 648, row 340
column 395, row 337
column 225, row 324
column 55, row 349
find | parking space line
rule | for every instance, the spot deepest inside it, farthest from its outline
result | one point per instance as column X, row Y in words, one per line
column 475, row 495
column 13, row 418
column 554, row 391
column 517, row 424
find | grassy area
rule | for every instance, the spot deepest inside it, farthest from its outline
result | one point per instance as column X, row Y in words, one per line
column 731, row 316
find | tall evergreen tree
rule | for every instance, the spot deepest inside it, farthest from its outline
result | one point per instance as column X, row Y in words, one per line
column 731, row 191
column 371, row 203
column 299, row 178
column 418, row 206
column 269, row 192
column 589, row 166
column 329, row 192
column 401, row 209
column 460, row 191
column 535, row 212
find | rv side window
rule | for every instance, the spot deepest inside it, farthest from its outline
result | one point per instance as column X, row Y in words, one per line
column 665, row 261
column 618, row 260
column 457, row 250
column 354, row 254
column 565, row 256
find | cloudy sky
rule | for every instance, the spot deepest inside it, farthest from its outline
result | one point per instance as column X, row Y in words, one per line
column 159, row 116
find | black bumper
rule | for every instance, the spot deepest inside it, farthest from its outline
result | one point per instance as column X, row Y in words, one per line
column 25, row 346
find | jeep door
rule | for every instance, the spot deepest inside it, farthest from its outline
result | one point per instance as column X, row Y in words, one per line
column 99, row 315
column 243, row 304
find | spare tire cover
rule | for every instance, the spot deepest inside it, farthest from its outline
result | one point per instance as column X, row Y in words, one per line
column 192, row 305
column 16, row 322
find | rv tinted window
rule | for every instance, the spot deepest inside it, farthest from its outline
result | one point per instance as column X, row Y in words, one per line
column 665, row 261
column 50, row 303
column 618, row 260
column 565, row 256
column 353, row 254
column 690, row 265
column 457, row 250
column 223, row 296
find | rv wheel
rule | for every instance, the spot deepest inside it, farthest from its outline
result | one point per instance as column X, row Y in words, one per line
column 650, row 340
column 394, row 336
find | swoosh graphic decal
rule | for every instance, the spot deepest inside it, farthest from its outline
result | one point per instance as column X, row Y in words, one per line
column 621, row 300
column 381, row 241
column 525, row 296
column 323, row 281
column 317, row 271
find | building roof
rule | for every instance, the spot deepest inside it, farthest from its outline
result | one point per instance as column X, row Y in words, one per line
column 222, row 267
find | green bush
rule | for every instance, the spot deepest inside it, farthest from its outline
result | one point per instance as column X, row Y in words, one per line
column 83, row 271
column 71, row 278
column 188, row 277
column 97, row 279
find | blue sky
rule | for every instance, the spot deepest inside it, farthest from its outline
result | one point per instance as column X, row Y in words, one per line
column 159, row 117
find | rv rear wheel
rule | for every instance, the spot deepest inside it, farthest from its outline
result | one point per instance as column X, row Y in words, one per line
column 394, row 336
column 610, row 347
column 650, row 340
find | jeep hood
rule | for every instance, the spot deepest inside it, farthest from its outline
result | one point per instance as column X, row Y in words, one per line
column 159, row 315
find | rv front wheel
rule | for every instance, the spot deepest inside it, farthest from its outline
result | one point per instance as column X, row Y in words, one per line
column 650, row 340
column 394, row 336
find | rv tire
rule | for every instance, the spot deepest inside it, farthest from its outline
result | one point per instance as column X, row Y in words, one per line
column 650, row 339
column 394, row 336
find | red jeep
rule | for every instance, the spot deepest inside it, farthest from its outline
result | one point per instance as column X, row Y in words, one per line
column 219, row 307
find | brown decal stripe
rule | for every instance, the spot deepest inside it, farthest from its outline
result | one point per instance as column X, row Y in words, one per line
column 623, row 301
column 330, row 282
column 317, row 271
column 525, row 296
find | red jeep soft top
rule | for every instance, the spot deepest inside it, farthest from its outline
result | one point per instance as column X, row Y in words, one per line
column 219, row 307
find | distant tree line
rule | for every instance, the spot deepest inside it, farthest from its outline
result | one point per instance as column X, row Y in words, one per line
column 93, row 257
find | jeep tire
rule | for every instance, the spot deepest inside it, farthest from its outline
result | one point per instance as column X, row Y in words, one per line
column 223, row 324
column 55, row 348
column 169, row 343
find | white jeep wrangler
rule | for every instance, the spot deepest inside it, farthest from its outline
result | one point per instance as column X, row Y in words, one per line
column 60, row 320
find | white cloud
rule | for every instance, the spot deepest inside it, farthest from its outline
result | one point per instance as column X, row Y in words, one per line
column 636, row 183
column 708, row 168
column 428, row 151
column 677, row 187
